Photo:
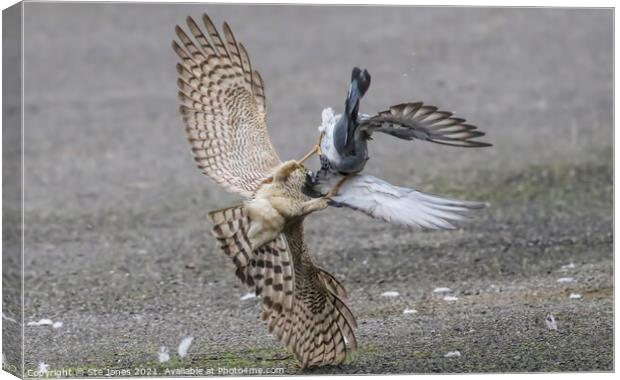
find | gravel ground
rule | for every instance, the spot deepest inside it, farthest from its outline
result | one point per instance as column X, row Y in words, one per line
column 116, row 231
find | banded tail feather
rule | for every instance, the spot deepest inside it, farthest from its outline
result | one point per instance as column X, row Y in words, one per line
column 332, row 283
column 319, row 329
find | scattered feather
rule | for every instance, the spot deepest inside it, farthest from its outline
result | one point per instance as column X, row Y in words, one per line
column 41, row 322
column 8, row 318
column 565, row 280
column 568, row 266
column 452, row 354
column 248, row 296
column 575, row 296
column 57, row 324
column 390, row 294
column 409, row 311
column 442, row 290
column 164, row 354
column 450, row 298
column 43, row 368
column 184, row 346
column 550, row 322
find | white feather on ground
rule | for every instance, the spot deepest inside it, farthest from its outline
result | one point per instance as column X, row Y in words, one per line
column 565, row 280
column 452, row 354
column 398, row 205
column 390, row 294
column 43, row 368
column 409, row 311
column 164, row 354
column 184, row 346
column 568, row 266
column 550, row 322
column 41, row 322
column 8, row 318
column 248, row 296
column 450, row 298
column 442, row 290
column 575, row 296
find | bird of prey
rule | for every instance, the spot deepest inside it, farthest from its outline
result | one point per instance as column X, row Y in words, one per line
column 223, row 108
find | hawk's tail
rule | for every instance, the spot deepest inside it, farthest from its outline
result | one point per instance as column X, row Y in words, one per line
column 319, row 329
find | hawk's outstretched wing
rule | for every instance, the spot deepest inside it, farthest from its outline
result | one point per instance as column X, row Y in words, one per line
column 223, row 107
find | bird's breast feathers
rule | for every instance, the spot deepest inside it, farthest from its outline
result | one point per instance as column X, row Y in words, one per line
column 328, row 122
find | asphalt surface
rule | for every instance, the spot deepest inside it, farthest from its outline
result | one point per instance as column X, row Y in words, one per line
column 116, row 242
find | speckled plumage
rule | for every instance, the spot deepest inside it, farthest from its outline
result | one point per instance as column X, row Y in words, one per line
column 223, row 108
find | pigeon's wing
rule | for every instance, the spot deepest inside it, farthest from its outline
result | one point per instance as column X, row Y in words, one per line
column 398, row 205
column 303, row 305
column 223, row 107
column 410, row 121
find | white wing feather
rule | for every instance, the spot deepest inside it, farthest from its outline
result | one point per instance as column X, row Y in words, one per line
column 398, row 205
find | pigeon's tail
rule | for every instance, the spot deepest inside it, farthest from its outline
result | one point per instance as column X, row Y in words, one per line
column 360, row 81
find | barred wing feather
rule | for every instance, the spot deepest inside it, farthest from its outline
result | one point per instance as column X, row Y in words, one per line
column 223, row 108
column 410, row 121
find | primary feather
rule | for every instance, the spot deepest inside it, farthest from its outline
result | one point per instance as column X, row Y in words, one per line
column 410, row 121
column 223, row 108
column 397, row 205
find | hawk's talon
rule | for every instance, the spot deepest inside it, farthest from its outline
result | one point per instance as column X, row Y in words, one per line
column 334, row 190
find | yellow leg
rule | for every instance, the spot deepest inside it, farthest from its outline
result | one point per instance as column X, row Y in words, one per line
column 334, row 191
column 315, row 150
